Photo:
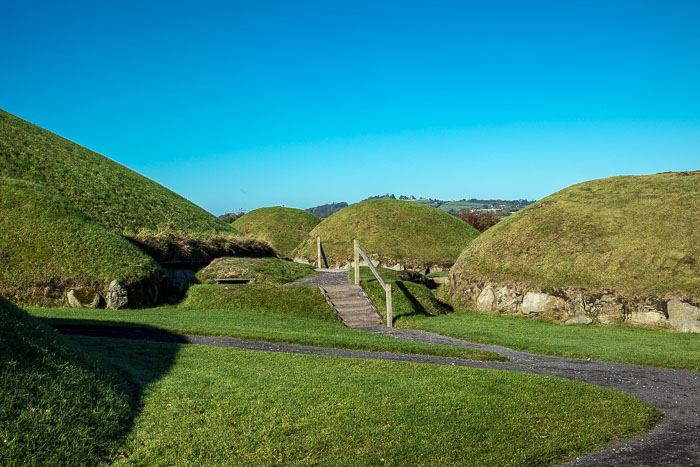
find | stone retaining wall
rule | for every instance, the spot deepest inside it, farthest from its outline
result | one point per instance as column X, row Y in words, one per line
column 577, row 306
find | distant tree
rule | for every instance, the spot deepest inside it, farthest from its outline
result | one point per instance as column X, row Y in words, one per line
column 231, row 216
column 481, row 221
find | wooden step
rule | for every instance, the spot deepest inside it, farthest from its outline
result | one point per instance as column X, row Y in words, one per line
column 349, row 301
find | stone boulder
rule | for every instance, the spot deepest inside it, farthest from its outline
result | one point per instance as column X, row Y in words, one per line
column 650, row 318
column 579, row 319
column 117, row 296
column 608, row 309
column 508, row 300
column 487, row 300
column 83, row 298
column 534, row 302
column 683, row 316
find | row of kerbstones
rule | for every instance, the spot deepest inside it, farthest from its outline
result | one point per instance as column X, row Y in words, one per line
column 607, row 308
column 116, row 298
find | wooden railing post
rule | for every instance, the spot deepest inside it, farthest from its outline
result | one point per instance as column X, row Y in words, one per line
column 389, row 310
column 356, row 244
column 386, row 286
column 318, row 242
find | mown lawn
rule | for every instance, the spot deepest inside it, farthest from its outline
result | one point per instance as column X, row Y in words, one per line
column 218, row 406
column 638, row 346
column 415, row 306
column 292, row 314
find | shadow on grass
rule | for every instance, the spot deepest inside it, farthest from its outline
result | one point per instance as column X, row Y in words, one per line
column 134, row 370
column 417, row 308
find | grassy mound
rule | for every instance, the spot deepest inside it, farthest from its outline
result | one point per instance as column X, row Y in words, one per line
column 257, row 270
column 283, row 228
column 637, row 235
column 393, row 232
column 46, row 245
column 116, row 197
column 55, row 408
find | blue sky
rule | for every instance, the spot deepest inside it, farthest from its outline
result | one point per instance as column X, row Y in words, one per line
column 238, row 105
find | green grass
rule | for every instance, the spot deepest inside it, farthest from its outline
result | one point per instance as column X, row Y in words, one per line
column 114, row 196
column 637, row 235
column 234, row 407
column 257, row 270
column 290, row 314
column 283, row 228
column 56, row 406
column 394, row 231
column 637, row 346
column 47, row 244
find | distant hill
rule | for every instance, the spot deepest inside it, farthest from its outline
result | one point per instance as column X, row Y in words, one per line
column 114, row 196
column 283, row 228
column 394, row 232
column 326, row 210
column 55, row 406
column 499, row 206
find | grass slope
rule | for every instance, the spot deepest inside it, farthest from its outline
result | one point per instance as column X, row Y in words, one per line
column 257, row 270
column 638, row 235
column 235, row 407
column 283, row 228
column 410, row 234
column 47, row 244
column 116, row 197
column 55, row 407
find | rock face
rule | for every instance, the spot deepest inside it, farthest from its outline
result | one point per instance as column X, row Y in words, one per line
column 683, row 316
column 534, row 302
column 83, row 298
column 117, row 296
column 487, row 300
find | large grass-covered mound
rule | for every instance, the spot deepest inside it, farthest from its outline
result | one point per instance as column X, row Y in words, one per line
column 48, row 245
column 628, row 235
column 283, row 228
column 114, row 196
column 392, row 232
column 55, row 407
column 256, row 270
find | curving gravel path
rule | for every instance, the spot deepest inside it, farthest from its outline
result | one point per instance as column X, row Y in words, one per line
column 675, row 441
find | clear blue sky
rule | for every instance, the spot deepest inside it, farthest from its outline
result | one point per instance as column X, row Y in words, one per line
column 237, row 105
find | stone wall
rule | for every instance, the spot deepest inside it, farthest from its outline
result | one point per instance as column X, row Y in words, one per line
column 577, row 306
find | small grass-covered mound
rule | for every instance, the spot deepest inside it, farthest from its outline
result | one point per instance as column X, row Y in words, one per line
column 392, row 232
column 256, row 270
column 55, row 407
column 116, row 197
column 637, row 235
column 48, row 245
column 283, row 228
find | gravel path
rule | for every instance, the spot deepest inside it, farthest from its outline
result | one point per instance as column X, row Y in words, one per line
column 676, row 393
column 326, row 277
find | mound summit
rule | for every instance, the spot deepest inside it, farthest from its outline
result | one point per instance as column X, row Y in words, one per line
column 612, row 250
column 398, row 234
column 283, row 228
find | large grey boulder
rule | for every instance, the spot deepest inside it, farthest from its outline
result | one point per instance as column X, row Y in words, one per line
column 508, row 300
column 534, row 302
column 117, row 296
column 683, row 316
column 83, row 298
column 650, row 318
column 487, row 300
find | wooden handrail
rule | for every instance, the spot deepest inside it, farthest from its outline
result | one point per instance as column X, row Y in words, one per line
column 387, row 287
